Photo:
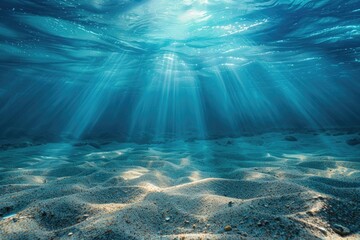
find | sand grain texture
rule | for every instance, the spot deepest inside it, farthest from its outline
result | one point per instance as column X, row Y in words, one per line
column 261, row 187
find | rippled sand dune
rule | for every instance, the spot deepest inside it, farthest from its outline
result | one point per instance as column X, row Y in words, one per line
column 269, row 186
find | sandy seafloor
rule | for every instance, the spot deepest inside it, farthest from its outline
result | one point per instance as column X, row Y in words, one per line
column 257, row 187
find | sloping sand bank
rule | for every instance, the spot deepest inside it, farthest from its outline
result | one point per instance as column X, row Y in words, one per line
column 270, row 186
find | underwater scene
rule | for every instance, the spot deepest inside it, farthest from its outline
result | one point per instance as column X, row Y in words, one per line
column 179, row 120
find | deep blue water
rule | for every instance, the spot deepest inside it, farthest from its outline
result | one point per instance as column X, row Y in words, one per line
column 177, row 69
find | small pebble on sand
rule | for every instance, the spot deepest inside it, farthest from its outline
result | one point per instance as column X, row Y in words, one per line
column 341, row 230
column 227, row 228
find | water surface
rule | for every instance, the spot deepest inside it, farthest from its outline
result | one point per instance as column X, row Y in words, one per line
column 149, row 69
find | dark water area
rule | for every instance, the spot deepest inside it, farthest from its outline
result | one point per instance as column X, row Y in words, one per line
column 145, row 70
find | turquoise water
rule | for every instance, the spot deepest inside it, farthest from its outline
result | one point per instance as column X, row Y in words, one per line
column 148, row 70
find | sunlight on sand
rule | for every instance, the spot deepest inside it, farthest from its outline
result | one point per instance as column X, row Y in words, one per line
column 134, row 173
column 185, row 162
column 105, row 155
column 340, row 171
column 254, row 176
column 195, row 176
column 301, row 157
column 38, row 179
column 149, row 187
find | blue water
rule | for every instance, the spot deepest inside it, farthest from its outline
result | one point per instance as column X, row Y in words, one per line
column 145, row 70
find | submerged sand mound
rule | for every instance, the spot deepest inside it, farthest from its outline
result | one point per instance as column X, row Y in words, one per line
column 256, row 187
